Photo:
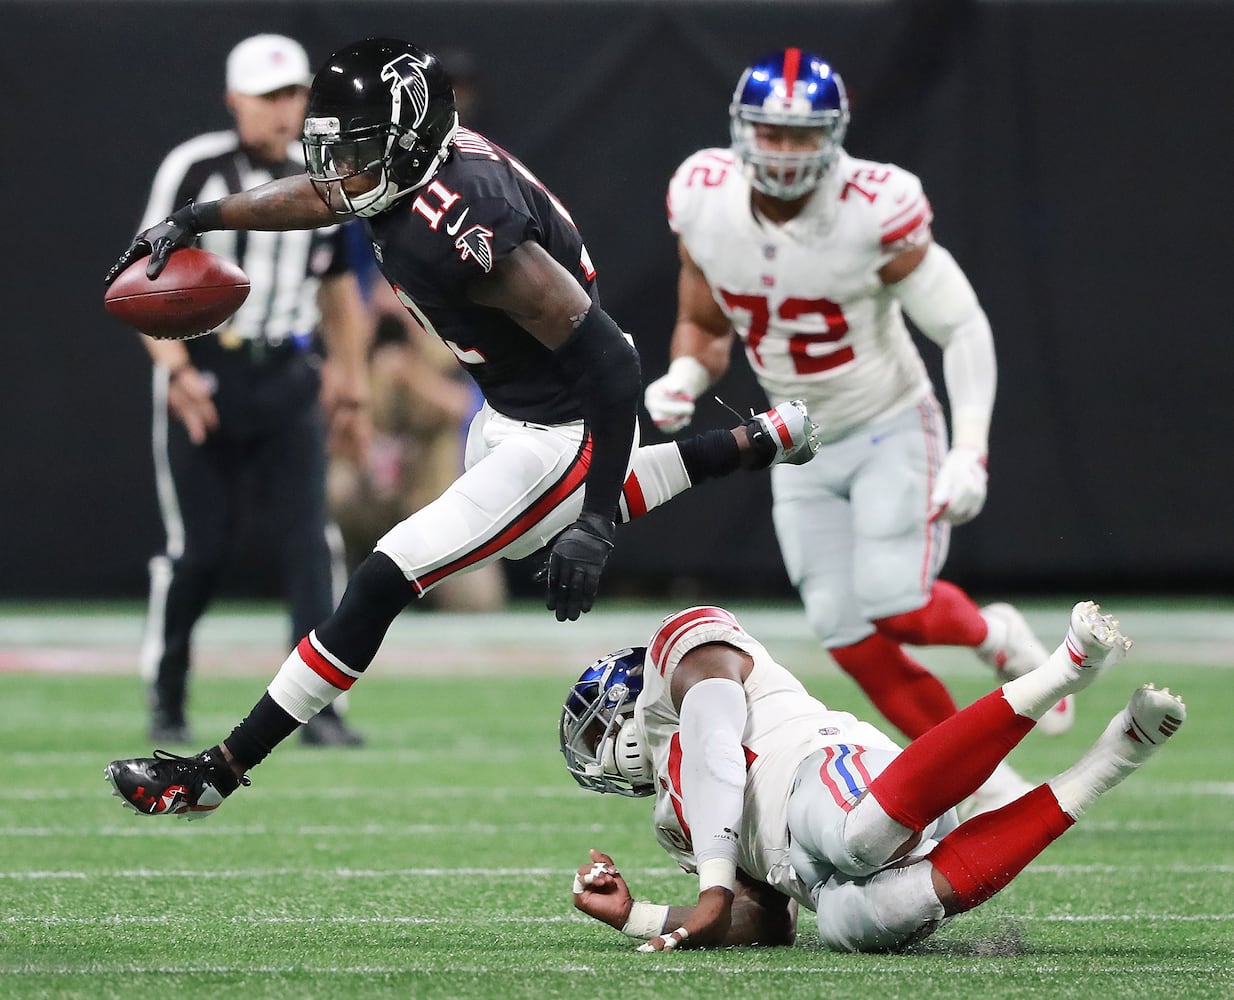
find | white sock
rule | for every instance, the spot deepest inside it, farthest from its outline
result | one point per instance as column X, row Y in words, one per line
column 1035, row 693
column 1104, row 765
column 299, row 690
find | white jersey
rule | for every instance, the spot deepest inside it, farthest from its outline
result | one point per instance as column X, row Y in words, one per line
column 805, row 297
column 784, row 725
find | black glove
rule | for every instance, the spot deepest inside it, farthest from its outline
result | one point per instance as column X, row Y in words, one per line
column 575, row 563
column 180, row 229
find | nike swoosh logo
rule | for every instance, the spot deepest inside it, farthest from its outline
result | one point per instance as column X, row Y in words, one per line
column 458, row 223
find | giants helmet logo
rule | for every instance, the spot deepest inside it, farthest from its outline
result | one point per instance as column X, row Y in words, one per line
column 405, row 75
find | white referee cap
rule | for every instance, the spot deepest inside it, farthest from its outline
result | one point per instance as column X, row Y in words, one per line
column 266, row 63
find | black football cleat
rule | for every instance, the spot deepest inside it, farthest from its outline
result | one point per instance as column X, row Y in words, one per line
column 170, row 785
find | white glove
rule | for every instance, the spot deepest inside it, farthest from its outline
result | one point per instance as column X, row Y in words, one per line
column 959, row 493
column 670, row 398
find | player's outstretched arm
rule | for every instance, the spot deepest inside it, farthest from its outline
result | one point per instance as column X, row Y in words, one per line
column 752, row 914
column 281, row 205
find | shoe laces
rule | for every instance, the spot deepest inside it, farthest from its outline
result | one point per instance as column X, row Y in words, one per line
column 200, row 761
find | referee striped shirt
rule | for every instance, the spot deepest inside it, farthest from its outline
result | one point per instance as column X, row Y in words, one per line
column 284, row 269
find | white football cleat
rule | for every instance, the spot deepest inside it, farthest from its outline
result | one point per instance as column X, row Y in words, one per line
column 1093, row 640
column 1019, row 652
column 1151, row 717
column 1137, row 732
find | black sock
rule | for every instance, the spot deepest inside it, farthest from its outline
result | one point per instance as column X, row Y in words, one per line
column 710, row 455
column 265, row 727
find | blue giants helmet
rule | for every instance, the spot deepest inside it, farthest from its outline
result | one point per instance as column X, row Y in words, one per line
column 798, row 89
column 599, row 736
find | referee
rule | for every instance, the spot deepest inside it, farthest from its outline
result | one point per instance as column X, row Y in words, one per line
column 241, row 417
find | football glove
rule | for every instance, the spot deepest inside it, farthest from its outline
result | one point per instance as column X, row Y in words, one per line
column 180, row 229
column 670, row 398
column 959, row 493
column 575, row 563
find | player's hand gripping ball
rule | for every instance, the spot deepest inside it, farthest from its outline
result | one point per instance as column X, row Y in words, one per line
column 195, row 292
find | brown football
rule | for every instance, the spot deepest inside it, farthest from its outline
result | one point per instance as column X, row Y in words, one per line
column 196, row 292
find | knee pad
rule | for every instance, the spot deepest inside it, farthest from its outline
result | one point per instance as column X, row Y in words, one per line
column 885, row 912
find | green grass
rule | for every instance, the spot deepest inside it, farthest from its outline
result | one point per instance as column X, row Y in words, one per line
column 436, row 862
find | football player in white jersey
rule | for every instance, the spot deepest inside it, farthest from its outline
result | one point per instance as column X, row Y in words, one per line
column 812, row 257
column 775, row 800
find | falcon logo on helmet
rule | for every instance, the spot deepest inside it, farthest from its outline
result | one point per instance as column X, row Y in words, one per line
column 791, row 89
column 406, row 76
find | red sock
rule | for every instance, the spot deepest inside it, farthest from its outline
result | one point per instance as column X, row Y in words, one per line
column 910, row 697
column 981, row 856
column 949, row 762
column 951, row 618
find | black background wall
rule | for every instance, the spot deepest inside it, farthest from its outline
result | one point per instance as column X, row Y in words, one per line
column 1078, row 156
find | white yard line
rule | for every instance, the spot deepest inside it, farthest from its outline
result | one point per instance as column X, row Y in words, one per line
column 526, row 640
column 343, row 874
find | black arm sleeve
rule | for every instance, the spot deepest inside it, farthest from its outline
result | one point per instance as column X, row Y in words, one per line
column 603, row 367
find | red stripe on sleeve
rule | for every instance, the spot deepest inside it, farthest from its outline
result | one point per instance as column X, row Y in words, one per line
column 922, row 217
column 679, row 624
column 674, row 778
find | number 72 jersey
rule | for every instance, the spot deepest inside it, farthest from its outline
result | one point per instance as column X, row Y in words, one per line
column 805, row 297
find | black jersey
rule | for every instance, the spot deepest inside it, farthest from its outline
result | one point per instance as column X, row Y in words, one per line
column 482, row 204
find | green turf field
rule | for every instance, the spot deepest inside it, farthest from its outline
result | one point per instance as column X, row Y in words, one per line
column 436, row 861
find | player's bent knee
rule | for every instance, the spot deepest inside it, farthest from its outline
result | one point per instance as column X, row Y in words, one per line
column 885, row 912
column 376, row 593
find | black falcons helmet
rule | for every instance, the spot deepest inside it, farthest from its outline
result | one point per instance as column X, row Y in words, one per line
column 383, row 108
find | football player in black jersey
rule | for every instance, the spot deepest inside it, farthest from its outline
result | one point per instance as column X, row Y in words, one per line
column 487, row 259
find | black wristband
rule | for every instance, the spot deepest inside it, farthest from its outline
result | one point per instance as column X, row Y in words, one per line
column 207, row 216
column 599, row 525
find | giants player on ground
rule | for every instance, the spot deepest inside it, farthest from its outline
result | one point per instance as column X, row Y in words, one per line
column 487, row 259
column 811, row 257
column 775, row 800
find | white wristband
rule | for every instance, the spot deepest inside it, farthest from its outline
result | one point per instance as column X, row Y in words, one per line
column 970, row 428
column 690, row 374
column 646, row 920
column 717, row 872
